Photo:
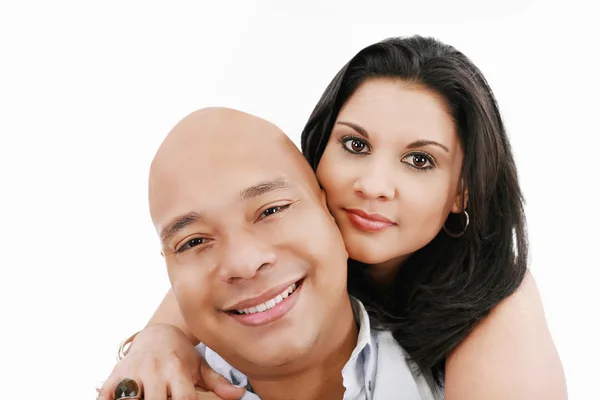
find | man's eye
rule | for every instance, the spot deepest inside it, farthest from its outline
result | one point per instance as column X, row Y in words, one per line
column 192, row 243
column 272, row 210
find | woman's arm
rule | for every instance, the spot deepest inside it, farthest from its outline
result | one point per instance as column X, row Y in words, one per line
column 163, row 359
column 168, row 312
column 509, row 355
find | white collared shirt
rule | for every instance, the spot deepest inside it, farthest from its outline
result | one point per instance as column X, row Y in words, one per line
column 377, row 369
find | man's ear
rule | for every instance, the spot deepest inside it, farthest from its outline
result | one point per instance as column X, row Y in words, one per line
column 462, row 199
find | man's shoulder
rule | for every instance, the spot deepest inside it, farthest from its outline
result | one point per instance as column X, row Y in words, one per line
column 385, row 340
column 396, row 373
column 381, row 338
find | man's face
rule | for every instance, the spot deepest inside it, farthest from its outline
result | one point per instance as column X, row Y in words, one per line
column 255, row 260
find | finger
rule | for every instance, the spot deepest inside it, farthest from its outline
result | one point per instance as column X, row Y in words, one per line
column 202, row 394
column 154, row 388
column 182, row 388
column 107, row 390
column 214, row 382
column 208, row 378
column 227, row 391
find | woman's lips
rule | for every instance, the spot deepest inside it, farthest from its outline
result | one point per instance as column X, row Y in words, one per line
column 368, row 222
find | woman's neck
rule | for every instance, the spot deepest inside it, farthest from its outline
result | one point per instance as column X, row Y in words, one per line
column 382, row 274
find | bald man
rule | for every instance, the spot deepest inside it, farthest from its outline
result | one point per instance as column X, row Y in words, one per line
column 258, row 266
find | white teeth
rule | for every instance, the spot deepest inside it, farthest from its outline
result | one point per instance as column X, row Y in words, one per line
column 270, row 303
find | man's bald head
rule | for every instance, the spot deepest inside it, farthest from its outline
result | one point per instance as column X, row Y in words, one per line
column 217, row 141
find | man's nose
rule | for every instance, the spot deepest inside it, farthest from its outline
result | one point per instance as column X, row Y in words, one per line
column 244, row 254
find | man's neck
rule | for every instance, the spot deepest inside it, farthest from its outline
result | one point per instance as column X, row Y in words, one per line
column 322, row 378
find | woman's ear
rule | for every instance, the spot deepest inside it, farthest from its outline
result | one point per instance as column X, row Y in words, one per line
column 462, row 199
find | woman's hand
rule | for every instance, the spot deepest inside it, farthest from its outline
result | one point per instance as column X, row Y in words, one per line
column 166, row 364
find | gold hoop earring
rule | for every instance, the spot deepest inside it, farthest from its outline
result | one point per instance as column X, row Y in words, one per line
column 459, row 234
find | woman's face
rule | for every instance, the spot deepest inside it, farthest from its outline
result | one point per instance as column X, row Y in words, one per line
column 391, row 170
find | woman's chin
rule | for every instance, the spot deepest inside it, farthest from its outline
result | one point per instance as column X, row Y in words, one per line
column 367, row 256
column 377, row 259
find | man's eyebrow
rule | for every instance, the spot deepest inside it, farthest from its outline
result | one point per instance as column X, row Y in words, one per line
column 264, row 187
column 177, row 224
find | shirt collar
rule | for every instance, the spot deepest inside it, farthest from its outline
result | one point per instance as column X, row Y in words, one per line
column 359, row 371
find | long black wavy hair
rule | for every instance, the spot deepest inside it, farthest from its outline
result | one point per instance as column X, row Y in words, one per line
column 444, row 289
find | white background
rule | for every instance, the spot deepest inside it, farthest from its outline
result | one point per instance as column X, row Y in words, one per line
column 88, row 90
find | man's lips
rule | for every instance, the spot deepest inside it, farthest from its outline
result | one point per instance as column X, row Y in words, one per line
column 262, row 298
column 272, row 310
column 367, row 222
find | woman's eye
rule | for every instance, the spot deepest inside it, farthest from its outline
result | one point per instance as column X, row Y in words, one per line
column 419, row 161
column 192, row 243
column 272, row 210
column 355, row 145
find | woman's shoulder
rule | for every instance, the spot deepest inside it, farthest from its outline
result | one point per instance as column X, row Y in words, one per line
column 509, row 354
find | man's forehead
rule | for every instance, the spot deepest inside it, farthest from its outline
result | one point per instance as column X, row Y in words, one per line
column 219, row 158
column 200, row 190
column 243, row 185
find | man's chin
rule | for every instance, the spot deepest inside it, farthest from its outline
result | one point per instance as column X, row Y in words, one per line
column 283, row 351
